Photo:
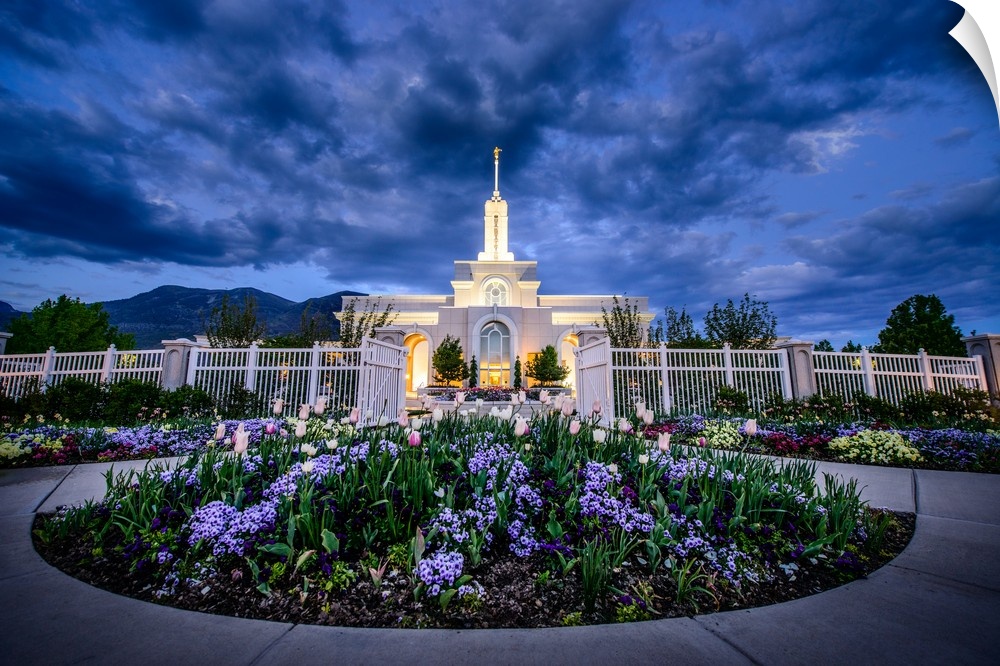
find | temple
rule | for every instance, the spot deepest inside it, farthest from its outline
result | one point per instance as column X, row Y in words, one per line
column 494, row 309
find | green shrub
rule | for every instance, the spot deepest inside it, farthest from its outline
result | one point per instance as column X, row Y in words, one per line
column 731, row 401
column 962, row 408
column 188, row 401
column 239, row 403
column 76, row 399
column 131, row 401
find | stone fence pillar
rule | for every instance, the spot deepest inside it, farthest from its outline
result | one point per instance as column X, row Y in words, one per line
column 589, row 334
column 987, row 345
column 4, row 337
column 176, row 355
column 392, row 334
column 800, row 367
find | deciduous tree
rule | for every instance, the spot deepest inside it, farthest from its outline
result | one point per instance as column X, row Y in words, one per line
column 749, row 326
column 449, row 362
column 921, row 322
column 68, row 325
column 545, row 367
column 230, row 325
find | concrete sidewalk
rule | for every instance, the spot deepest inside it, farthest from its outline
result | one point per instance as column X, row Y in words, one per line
column 937, row 602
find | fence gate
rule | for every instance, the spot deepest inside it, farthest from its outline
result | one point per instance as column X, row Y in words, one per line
column 593, row 379
column 382, row 391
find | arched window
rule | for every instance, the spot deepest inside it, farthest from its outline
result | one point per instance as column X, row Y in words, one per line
column 494, row 355
column 495, row 292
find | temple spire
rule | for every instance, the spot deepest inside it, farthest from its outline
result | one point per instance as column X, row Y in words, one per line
column 495, row 221
column 496, row 173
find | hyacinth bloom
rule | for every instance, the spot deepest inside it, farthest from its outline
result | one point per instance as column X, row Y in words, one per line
column 574, row 427
column 354, row 416
column 220, row 431
column 460, row 397
column 414, row 438
column 751, row 427
column 303, row 412
column 600, row 435
column 663, row 441
column 300, row 429
column 543, row 397
column 279, row 406
column 521, row 427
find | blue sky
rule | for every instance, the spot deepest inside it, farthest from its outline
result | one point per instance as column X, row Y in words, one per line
column 831, row 158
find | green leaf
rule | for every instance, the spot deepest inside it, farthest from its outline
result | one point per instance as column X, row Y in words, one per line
column 446, row 597
column 331, row 544
column 279, row 549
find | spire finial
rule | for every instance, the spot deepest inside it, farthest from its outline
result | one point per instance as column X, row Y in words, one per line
column 496, row 172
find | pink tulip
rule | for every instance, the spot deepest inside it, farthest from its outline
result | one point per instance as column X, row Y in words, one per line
column 596, row 407
column 220, row 431
column 270, row 428
column 320, row 406
column 242, row 442
column 402, row 418
column 279, row 406
column 663, row 441
column 355, row 415
column 574, row 427
column 303, row 412
column 459, row 397
column 300, row 429
column 568, row 407
column 521, row 428
column 414, row 438
column 521, row 397
column 647, row 417
column 702, row 442
column 543, row 397
column 751, row 427
column 624, row 426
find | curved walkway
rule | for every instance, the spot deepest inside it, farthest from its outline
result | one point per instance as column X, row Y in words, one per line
column 937, row 602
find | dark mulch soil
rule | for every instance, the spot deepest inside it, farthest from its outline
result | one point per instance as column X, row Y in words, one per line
column 516, row 592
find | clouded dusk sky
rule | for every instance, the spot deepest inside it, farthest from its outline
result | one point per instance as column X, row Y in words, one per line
column 831, row 158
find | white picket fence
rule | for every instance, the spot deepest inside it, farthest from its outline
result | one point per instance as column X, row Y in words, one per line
column 686, row 381
column 371, row 377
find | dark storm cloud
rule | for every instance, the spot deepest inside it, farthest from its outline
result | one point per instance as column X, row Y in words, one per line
column 637, row 138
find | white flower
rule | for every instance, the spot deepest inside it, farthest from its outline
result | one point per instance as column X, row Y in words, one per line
column 300, row 429
column 613, row 468
column 308, row 449
column 307, row 466
column 643, row 459
column 416, row 423
column 600, row 435
column 751, row 427
column 437, row 414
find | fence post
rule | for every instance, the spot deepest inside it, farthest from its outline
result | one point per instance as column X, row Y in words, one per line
column 192, row 365
column 869, row 372
column 664, row 379
column 313, row 393
column 610, row 378
column 987, row 347
column 176, row 362
column 727, row 364
column 798, row 374
column 251, row 381
column 925, row 369
column 109, row 364
column 48, row 365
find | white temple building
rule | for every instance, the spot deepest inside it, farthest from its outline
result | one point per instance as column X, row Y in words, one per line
column 494, row 309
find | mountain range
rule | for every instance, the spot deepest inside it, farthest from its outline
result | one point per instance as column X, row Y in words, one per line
column 170, row 312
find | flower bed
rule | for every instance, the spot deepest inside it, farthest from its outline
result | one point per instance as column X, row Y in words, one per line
column 467, row 521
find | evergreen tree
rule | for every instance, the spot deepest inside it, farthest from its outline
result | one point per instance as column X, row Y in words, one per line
column 545, row 367
column 750, row 326
column 518, row 382
column 851, row 347
column 229, row 325
column 823, row 345
column 921, row 322
column 449, row 363
column 473, row 373
column 68, row 325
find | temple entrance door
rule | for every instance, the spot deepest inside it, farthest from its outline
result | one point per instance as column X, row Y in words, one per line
column 417, row 363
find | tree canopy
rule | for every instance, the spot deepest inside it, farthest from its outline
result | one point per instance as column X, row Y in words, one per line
column 823, row 345
column 230, row 325
column 312, row 328
column 449, row 362
column 545, row 367
column 623, row 324
column 749, row 326
column 921, row 322
column 355, row 326
column 68, row 325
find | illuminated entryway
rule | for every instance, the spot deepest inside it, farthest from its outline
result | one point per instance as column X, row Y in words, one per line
column 494, row 355
column 566, row 347
column 417, row 362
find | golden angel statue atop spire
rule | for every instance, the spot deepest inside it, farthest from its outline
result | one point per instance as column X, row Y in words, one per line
column 496, row 153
